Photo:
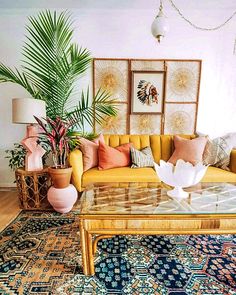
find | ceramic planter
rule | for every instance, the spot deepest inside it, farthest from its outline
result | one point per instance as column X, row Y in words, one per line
column 62, row 199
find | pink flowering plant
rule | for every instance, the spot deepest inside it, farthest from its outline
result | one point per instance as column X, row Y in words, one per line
column 56, row 133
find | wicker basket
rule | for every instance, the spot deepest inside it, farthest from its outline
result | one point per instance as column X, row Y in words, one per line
column 32, row 188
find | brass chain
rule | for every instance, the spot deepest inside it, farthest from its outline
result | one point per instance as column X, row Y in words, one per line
column 198, row 27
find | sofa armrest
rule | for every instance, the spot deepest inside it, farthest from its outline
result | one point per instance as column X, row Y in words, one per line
column 76, row 162
column 232, row 164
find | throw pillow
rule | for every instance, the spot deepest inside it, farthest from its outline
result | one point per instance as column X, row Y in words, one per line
column 109, row 157
column 217, row 151
column 89, row 148
column 188, row 150
column 142, row 158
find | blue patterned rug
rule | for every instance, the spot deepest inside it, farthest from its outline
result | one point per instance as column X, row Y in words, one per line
column 39, row 254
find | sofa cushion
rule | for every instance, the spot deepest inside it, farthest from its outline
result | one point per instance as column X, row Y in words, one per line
column 217, row 152
column 142, row 158
column 188, row 150
column 109, row 157
column 214, row 174
column 89, row 148
column 123, row 174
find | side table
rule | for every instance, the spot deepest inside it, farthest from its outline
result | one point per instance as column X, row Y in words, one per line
column 32, row 188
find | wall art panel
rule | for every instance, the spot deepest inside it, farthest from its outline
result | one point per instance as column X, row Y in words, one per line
column 182, row 84
column 179, row 118
column 147, row 65
column 112, row 76
column 145, row 124
column 115, row 125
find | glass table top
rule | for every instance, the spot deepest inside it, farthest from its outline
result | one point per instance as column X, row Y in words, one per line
column 152, row 198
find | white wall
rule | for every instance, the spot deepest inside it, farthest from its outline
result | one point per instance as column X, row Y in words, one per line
column 122, row 29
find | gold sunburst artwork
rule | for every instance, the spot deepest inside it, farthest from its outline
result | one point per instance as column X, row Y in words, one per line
column 145, row 124
column 180, row 119
column 147, row 65
column 182, row 81
column 112, row 76
column 116, row 124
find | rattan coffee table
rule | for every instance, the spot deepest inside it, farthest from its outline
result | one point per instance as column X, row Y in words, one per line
column 131, row 208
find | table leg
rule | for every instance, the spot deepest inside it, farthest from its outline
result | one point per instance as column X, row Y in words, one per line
column 84, row 248
column 90, row 254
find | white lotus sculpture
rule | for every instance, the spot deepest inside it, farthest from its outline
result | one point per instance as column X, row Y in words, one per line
column 183, row 174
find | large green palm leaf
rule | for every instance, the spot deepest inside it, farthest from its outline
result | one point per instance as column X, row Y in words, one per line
column 52, row 64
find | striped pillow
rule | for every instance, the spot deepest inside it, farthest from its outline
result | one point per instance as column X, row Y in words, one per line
column 142, row 158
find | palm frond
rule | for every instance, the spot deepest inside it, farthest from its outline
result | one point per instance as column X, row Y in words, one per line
column 8, row 75
column 53, row 63
column 87, row 112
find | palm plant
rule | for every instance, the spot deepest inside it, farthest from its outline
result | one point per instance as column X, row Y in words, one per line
column 51, row 66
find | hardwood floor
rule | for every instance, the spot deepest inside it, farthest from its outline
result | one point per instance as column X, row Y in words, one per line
column 9, row 206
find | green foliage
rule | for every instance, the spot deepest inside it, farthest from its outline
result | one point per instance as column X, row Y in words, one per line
column 16, row 156
column 52, row 64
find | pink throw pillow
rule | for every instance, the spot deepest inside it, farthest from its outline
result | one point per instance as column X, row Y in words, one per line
column 188, row 150
column 89, row 149
column 109, row 157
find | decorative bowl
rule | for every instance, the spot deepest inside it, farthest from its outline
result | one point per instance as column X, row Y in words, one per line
column 182, row 175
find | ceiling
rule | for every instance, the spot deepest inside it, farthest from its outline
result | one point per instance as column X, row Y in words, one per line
column 115, row 4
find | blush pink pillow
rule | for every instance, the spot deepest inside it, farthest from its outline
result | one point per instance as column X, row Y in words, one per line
column 188, row 150
column 109, row 157
column 89, row 149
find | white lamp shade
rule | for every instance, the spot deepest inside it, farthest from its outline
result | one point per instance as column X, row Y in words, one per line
column 160, row 26
column 24, row 110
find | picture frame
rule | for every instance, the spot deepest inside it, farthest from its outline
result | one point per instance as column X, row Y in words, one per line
column 147, row 92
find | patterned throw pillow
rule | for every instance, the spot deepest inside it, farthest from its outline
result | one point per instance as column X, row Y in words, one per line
column 217, row 152
column 142, row 158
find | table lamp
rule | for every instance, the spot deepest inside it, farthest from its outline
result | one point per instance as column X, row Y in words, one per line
column 23, row 112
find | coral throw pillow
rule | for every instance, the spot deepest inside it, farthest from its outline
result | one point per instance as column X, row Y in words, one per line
column 89, row 150
column 188, row 150
column 109, row 157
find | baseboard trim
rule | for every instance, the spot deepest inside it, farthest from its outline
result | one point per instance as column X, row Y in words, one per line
column 7, row 184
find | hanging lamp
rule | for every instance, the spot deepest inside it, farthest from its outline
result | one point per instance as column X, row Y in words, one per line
column 160, row 25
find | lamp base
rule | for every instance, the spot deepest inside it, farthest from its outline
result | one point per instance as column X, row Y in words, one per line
column 33, row 159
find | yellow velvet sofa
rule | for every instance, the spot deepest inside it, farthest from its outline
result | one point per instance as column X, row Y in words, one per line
column 162, row 148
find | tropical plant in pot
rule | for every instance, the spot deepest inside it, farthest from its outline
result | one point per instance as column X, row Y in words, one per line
column 56, row 133
column 50, row 69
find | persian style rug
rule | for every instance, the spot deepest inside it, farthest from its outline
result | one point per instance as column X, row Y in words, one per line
column 40, row 254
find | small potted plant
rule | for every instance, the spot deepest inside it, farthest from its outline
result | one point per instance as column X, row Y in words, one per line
column 57, row 135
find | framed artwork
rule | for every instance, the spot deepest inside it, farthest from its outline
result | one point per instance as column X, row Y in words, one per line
column 147, row 65
column 154, row 96
column 115, row 125
column 182, row 81
column 145, row 124
column 180, row 118
column 147, row 92
column 111, row 75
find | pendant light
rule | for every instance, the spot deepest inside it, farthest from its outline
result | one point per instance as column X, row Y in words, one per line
column 160, row 25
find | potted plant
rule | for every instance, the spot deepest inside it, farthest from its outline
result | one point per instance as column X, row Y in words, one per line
column 51, row 66
column 57, row 135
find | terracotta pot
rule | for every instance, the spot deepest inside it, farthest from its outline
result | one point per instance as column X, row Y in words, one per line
column 60, row 177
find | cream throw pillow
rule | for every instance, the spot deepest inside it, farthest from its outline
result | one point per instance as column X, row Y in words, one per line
column 217, row 151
